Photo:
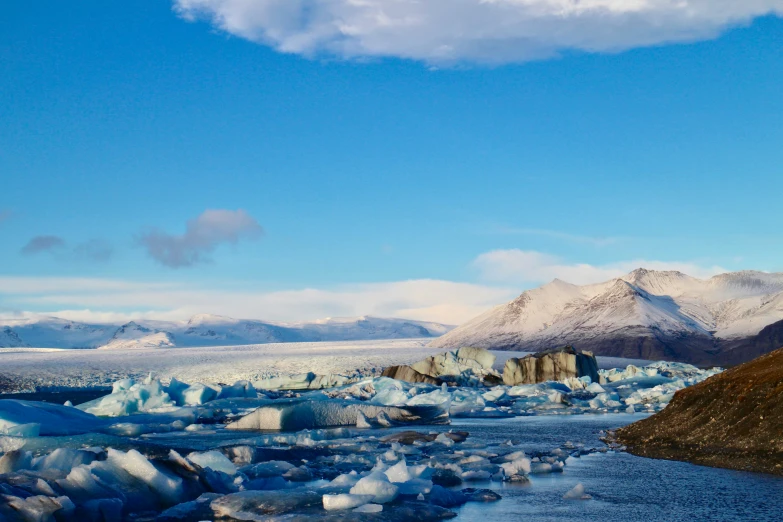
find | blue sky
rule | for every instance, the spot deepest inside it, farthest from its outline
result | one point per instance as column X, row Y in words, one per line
column 374, row 172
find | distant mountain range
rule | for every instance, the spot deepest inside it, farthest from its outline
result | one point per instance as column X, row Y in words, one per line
column 647, row 314
column 203, row 330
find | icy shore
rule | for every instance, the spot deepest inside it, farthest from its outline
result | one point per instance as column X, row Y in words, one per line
column 194, row 451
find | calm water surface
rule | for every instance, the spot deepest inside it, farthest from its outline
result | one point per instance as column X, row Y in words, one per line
column 624, row 487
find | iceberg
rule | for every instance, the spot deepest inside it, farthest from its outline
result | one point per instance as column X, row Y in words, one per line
column 51, row 419
column 377, row 486
column 345, row 501
column 308, row 413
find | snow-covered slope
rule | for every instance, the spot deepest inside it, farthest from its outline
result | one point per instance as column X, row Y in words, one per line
column 132, row 335
column 53, row 332
column 204, row 330
column 646, row 314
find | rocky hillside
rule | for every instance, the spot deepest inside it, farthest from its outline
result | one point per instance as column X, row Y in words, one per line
column 646, row 314
column 732, row 420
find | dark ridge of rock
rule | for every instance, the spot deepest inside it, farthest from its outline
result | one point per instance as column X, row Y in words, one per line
column 732, row 420
column 737, row 351
column 550, row 365
column 408, row 374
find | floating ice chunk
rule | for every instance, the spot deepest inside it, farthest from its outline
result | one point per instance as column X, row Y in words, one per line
column 64, row 459
column 348, row 479
column 198, row 509
column 129, row 397
column 415, row 486
column 53, row 419
column 40, row 508
column 191, row 394
column 369, row 508
column 306, row 413
column 240, row 389
column 495, row 394
column 303, row 381
column 476, row 475
column 391, row 397
column 30, row 430
column 248, row 505
column 213, row 460
column 166, row 485
column 520, row 466
column 10, row 444
column 345, row 501
column 435, row 397
column 376, row 484
column 595, row 388
column 272, row 468
column 398, row 472
column 577, row 493
column 444, row 439
column 15, row 460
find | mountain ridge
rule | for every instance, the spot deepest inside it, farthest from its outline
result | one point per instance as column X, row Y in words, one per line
column 644, row 314
column 203, row 330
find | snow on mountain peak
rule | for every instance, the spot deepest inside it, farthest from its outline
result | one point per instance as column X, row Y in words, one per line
column 641, row 313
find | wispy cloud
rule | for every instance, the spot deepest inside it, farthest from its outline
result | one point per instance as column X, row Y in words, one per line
column 478, row 31
column 98, row 299
column 202, row 236
column 598, row 241
column 40, row 244
column 530, row 267
column 92, row 250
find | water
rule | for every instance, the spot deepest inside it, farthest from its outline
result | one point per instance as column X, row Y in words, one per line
column 624, row 487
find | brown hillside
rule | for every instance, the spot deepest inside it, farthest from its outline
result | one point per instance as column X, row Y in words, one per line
column 732, row 420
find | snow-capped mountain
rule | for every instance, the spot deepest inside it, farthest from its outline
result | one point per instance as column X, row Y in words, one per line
column 645, row 314
column 204, row 330
column 132, row 335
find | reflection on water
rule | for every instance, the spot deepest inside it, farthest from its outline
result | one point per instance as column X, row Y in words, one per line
column 624, row 487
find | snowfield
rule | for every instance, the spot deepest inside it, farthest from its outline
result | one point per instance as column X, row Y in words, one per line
column 27, row 369
column 30, row 369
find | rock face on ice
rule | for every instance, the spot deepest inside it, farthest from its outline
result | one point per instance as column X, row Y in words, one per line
column 299, row 414
column 408, row 374
column 552, row 365
column 465, row 366
column 453, row 363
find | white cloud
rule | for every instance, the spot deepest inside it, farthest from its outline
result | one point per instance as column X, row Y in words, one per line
column 202, row 235
column 485, row 31
column 99, row 300
column 519, row 267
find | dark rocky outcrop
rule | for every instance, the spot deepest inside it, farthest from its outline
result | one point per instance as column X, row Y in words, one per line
column 732, row 420
column 455, row 362
column 408, row 374
column 551, row 365
column 466, row 366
